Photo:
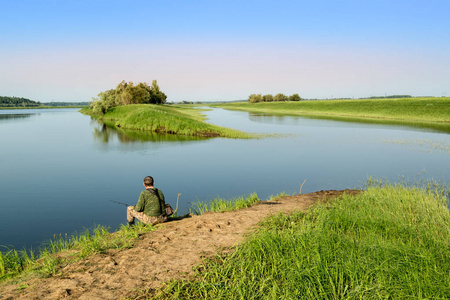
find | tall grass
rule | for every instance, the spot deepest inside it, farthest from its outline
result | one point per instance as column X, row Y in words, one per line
column 13, row 262
column 54, row 253
column 221, row 205
column 389, row 242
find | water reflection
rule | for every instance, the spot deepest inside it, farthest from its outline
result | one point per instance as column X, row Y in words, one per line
column 6, row 117
column 274, row 119
column 295, row 120
column 106, row 132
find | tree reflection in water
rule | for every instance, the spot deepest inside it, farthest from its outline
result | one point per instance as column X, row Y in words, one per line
column 6, row 117
column 106, row 132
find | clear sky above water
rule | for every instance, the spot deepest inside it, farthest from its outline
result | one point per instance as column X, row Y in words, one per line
column 225, row 50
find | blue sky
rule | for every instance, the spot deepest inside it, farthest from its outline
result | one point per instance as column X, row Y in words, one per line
column 225, row 50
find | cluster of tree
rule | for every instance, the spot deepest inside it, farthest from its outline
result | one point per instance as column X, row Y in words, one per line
column 17, row 102
column 127, row 93
column 254, row 98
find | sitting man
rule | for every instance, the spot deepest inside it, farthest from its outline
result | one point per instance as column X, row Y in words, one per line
column 150, row 206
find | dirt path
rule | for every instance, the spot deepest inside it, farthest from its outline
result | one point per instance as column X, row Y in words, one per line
column 123, row 273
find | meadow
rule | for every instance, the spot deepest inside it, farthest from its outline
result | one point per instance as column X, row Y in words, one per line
column 165, row 119
column 421, row 112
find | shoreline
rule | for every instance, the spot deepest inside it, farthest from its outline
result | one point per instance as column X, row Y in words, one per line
column 186, row 242
column 136, row 271
column 165, row 119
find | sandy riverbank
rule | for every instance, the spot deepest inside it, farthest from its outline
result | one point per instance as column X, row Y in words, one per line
column 170, row 252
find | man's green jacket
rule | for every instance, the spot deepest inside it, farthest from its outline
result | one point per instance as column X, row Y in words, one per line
column 150, row 204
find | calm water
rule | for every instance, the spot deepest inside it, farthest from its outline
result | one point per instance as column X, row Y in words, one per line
column 59, row 168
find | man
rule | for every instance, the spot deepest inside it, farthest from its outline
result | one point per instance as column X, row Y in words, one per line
column 150, row 206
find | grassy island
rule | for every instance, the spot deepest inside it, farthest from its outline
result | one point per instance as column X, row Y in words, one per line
column 142, row 107
column 420, row 112
column 164, row 119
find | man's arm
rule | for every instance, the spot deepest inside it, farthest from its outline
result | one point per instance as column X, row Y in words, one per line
column 141, row 203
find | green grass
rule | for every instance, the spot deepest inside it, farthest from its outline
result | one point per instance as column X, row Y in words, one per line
column 422, row 112
column 62, row 250
column 165, row 119
column 222, row 205
column 389, row 242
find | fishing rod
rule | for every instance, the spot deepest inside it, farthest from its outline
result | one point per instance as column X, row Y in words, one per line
column 117, row 202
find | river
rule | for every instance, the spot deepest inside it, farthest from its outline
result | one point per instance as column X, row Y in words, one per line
column 59, row 168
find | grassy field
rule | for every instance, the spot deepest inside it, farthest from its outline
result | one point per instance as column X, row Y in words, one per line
column 423, row 112
column 389, row 242
column 165, row 119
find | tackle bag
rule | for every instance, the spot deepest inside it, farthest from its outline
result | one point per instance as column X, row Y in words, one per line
column 168, row 209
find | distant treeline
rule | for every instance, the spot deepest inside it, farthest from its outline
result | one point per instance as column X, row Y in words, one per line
column 6, row 101
column 17, row 102
column 66, row 103
column 254, row 98
column 371, row 97
column 388, row 97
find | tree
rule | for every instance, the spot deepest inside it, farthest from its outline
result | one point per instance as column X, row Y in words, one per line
column 140, row 93
column 267, row 98
column 254, row 98
column 280, row 97
column 294, row 97
column 127, row 93
column 103, row 102
column 156, row 96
